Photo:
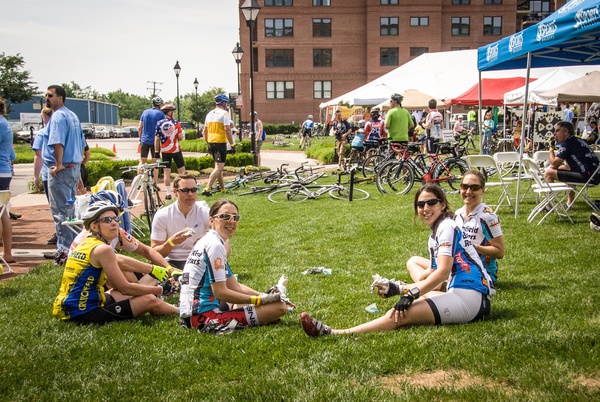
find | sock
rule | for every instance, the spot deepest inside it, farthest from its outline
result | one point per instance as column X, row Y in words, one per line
column 168, row 190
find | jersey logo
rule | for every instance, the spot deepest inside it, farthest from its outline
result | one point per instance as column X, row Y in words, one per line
column 218, row 263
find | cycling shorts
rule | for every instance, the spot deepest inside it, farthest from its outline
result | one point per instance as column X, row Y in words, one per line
column 145, row 149
column 306, row 133
column 459, row 306
column 112, row 311
column 244, row 315
column 218, row 150
column 175, row 156
column 568, row 176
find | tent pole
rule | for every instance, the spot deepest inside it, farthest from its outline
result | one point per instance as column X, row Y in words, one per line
column 524, row 134
column 478, row 119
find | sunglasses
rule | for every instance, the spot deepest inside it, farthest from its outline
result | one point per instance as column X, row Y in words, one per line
column 227, row 217
column 49, row 95
column 472, row 187
column 431, row 203
column 109, row 219
column 188, row 190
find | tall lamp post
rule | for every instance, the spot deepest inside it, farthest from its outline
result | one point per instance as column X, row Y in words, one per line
column 196, row 108
column 177, row 70
column 250, row 9
column 237, row 53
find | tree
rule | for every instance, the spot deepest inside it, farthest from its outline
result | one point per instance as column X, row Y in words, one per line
column 74, row 90
column 130, row 106
column 15, row 84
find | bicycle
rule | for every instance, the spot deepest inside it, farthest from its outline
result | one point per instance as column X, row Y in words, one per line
column 301, row 175
column 281, row 142
column 305, row 141
column 144, row 182
column 303, row 192
column 465, row 140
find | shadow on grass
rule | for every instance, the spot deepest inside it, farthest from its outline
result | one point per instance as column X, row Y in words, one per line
column 516, row 285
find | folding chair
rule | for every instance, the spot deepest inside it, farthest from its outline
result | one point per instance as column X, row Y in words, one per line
column 4, row 199
column 542, row 158
column 486, row 162
column 583, row 192
column 552, row 195
column 512, row 159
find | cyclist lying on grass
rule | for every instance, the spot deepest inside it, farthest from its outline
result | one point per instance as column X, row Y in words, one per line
column 208, row 286
column 469, row 291
column 82, row 299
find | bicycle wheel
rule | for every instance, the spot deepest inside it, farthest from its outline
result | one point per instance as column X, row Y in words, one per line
column 343, row 193
column 381, row 175
column 369, row 166
column 149, row 205
column 489, row 146
column 401, row 178
column 449, row 174
column 288, row 195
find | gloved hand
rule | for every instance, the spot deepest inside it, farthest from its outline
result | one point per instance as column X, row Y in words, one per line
column 387, row 287
column 266, row 298
column 159, row 273
column 406, row 300
column 552, row 142
column 232, row 150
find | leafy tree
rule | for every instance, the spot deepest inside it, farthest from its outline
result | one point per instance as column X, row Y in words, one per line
column 130, row 106
column 15, row 84
column 74, row 90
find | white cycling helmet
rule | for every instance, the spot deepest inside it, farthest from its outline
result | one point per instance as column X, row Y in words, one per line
column 310, row 116
column 595, row 222
column 93, row 212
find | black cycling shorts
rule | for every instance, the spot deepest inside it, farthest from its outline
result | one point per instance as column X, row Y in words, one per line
column 218, row 150
column 112, row 311
column 175, row 156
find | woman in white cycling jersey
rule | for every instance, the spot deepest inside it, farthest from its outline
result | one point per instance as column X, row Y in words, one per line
column 469, row 290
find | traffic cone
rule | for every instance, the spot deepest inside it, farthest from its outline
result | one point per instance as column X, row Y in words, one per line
column 96, row 145
column 139, row 148
column 114, row 148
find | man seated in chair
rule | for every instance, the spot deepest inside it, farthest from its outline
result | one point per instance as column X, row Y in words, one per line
column 580, row 161
column 134, row 270
column 177, row 227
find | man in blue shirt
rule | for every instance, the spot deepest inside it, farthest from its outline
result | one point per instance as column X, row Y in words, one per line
column 63, row 156
column 147, row 132
column 569, row 114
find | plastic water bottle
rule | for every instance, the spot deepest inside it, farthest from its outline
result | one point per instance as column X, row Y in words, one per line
column 70, row 210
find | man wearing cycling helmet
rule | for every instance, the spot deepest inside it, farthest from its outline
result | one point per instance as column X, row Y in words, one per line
column 398, row 121
column 306, row 129
column 341, row 129
column 147, row 131
column 375, row 128
column 217, row 133
column 168, row 135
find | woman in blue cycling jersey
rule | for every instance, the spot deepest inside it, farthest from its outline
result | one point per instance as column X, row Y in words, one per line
column 469, row 286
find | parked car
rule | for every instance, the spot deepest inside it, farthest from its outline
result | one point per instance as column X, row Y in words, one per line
column 89, row 132
column 102, row 132
column 25, row 132
column 122, row 132
column 187, row 126
column 132, row 132
column 14, row 126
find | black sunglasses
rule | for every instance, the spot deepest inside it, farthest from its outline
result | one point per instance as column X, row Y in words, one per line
column 49, row 96
column 472, row 187
column 188, row 190
column 227, row 217
column 431, row 203
column 109, row 219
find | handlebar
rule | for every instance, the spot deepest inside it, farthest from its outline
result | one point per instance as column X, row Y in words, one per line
column 145, row 166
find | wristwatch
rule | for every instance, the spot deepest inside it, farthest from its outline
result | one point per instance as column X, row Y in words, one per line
column 414, row 292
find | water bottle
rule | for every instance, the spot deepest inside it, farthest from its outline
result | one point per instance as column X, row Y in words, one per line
column 70, row 210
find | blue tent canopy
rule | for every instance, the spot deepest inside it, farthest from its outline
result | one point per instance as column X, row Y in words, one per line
column 569, row 36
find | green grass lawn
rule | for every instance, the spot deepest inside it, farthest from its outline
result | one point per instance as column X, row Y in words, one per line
column 539, row 344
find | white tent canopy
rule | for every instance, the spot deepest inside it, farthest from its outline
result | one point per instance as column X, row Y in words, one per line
column 548, row 82
column 443, row 75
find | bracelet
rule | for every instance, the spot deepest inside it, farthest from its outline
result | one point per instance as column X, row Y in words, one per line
column 170, row 241
column 255, row 300
column 550, row 149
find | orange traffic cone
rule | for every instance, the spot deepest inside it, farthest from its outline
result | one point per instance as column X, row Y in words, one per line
column 96, row 145
column 139, row 148
column 114, row 148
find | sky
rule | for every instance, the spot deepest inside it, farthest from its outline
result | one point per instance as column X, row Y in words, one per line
column 123, row 44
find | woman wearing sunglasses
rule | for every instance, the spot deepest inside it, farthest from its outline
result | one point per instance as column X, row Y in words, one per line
column 82, row 299
column 479, row 223
column 451, row 258
column 208, row 285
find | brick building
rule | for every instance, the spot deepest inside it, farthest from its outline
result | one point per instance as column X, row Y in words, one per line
column 308, row 51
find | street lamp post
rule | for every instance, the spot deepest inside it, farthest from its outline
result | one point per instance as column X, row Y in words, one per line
column 177, row 70
column 250, row 9
column 196, row 108
column 237, row 53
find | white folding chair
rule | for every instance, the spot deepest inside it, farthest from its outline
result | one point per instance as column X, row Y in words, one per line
column 552, row 195
column 486, row 162
column 584, row 191
column 133, row 197
column 512, row 159
column 135, row 190
column 542, row 158
column 4, row 199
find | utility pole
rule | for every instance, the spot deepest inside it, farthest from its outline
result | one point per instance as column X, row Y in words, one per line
column 153, row 88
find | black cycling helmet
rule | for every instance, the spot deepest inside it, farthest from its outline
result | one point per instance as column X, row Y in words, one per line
column 157, row 101
column 375, row 113
column 397, row 97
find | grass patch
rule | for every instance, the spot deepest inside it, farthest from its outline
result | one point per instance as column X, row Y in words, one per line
column 540, row 343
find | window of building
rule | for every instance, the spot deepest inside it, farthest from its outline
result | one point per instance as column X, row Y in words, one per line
column 322, row 89
column 459, row 48
column 419, row 21
column 417, row 51
column 538, row 6
column 461, row 26
column 279, row 57
column 279, row 27
column 388, row 26
column 321, row 57
column 460, row 2
column 388, row 56
column 492, row 1
column 279, row 3
column 492, row 25
column 321, row 2
column 388, row 2
column 280, row 89
column 321, row 27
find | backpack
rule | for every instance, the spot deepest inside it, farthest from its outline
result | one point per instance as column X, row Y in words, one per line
column 263, row 136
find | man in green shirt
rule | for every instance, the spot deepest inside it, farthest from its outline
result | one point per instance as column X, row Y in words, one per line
column 472, row 119
column 398, row 121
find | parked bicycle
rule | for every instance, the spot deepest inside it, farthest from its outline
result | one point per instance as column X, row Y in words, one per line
column 144, row 183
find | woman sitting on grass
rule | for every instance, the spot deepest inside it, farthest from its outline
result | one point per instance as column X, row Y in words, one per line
column 82, row 299
column 208, row 285
column 469, row 290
